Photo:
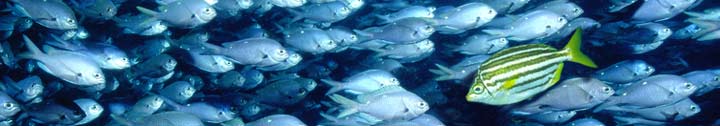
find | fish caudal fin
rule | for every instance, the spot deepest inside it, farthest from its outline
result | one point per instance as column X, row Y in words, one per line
column 443, row 73
column 349, row 105
column 336, row 86
column 33, row 50
column 573, row 49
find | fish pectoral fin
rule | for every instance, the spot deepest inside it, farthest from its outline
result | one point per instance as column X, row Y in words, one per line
column 556, row 76
column 509, row 84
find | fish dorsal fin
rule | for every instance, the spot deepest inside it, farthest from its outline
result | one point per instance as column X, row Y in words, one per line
column 573, row 50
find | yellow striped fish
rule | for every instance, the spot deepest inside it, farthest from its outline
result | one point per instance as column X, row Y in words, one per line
column 517, row 73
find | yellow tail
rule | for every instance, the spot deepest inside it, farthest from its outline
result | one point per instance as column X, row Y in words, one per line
column 573, row 49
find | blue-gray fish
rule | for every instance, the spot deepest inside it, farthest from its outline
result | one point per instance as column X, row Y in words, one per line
column 24, row 90
column 99, row 9
column 705, row 81
column 210, row 63
column 53, row 14
column 53, row 113
column 665, row 88
column 389, row 103
column 407, row 12
column 277, row 120
column 204, row 110
column 464, row 17
column 169, row 118
column 137, row 24
column 322, row 13
column 404, row 31
column 518, row 73
column 567, row 9
column 288, row 3
column 670, row 112
column 625, row 72
column 251, row 51
column 585, row 122
column 363, row 82
column 584, row 93
column 179, row 91
column 230, row 80
column 183, row 14
column 106, row 55
column 407, row 53
column 310, row 40
column 552, row 117
column 286, row 91
column 9, row 107
column 91, row 108
column 461, row 70
column 230, row 8
column 506, row 6
column 530, row 25
column 70, row 66
column 481, row 44
column 658, row 10
column 146, row 106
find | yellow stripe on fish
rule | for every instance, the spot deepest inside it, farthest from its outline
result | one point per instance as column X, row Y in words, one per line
column 518, row 73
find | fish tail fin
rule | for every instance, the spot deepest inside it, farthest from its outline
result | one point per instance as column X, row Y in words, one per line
column 693, row 14
column 336, row 86
column 384, row 18
column 573, row 49
column 147, row 11
column 297, row 15
column 33, row 51
column 349, row 105
column 443, row 72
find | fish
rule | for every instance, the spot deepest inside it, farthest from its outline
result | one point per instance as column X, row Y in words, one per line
column 407, row 53
column 705, row 81
column 210, row 63
column 567, row 9
column 659, row 10
column 506, row 6
column 388, row 103
column 98, row 9
column 183, row 14
column 53, row 14
column 169, row 118
column 10, row 107
column 625, row 71
column 206, row 111
column 91, row 108
column 407, row 12
column 179, row 91
column 481, row 44
column 363, row 82
column 288, row 3
column 285, row 91
column 69, row 66
column 530, row 25
column 461, row 70
column 251, row 51
column 105, row 54
column 584, row 93
column 24, row 90
column 671, row 112
column 321, row 13
column 667, row 88
column 404, row 31
column 230, row 80
column 310, row 40
column 617, row 5
column 518, row 73
column 277, row 120
column 464, row 17
column 52, row 112
column 138, row 24
column 552, row 117
column 585, row 122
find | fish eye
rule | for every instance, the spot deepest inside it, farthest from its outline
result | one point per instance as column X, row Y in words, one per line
column 124, row 59
column 97, row 75
column 79, row 74
column 8, row 105
column 207, row 10
column 94, row 107
column 693, row 108
column 607, row 89
column 221, row 113
column 716, row 78
column 109, row 9
column 548, row 26
column 561, row 19
column 108, row 58
column 576, row 10
column 477, row 89
column 282, row 51
column 71, row 21
column 353, row 37
column 228, row 63
column 688, row 85
column 422, row 104
column 301, row 92
column 635, row 74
